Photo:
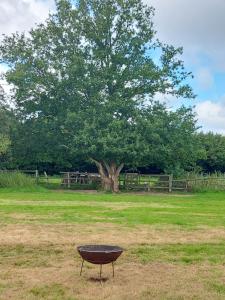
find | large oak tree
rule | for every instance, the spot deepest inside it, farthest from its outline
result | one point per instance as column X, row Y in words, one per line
column 90, row 75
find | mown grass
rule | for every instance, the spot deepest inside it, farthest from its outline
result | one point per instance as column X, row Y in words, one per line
column 24, row 256
column 54, row 291
column 218, row 287
column 190, row 211
column 191, row 253
column 174, row 244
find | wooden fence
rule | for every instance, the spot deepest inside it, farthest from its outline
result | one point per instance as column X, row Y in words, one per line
column 166, row 183
column 214, row 183
column 131, row 181
column 78, row 178
column 136, row 181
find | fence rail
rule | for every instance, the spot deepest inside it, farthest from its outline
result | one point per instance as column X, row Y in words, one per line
column 167, row 183
column 146, row 182
column 139, row 182
column 129, row 181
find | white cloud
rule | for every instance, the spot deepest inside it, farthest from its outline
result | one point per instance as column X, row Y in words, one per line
column 22, row 15
column 172, row 102
column 5, row 86
column 3, row 83
column 211, row 115
column 198, row 26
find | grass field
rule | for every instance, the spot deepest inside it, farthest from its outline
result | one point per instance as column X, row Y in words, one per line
column 175, row 245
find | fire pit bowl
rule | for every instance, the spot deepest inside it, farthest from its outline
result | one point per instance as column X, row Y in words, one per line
column 99, row 255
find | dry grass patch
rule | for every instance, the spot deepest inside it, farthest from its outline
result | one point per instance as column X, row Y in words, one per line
column 39, row 262
column 132, row 281
column 105, row 233
column 175, row 247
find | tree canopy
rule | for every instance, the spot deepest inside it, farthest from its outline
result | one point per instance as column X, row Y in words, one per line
column 213, row 146
column 5, row 124
column 86, row 82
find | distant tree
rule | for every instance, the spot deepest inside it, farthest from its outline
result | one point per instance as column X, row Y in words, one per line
column 36, row 144
column 4, row 124
column 214, row 147
column 89, row 76
column 4, row 144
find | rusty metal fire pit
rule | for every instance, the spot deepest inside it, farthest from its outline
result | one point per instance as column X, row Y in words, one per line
column 99, row 255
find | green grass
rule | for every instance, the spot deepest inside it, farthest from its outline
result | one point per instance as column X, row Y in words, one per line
column 188, row 211
column 218, row 287
column 24, row 256
column 182, row 253
column 54, row 291
column 33, row 251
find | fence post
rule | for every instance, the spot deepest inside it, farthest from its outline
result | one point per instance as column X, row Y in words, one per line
column 170, row 183
column 68, row 179
column 36, row 175
column 186, row 185
column 46, row 176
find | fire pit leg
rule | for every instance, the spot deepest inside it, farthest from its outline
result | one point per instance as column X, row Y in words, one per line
column 113, row 268
column 81, row 267
column 100, row 272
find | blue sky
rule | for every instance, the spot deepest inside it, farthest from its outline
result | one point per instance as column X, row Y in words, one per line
column 198, row 26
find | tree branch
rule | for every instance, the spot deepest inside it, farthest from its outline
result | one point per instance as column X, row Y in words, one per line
column 119, row 169
column 99, row 166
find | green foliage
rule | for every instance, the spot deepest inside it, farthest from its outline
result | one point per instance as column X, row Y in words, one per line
column 5, row 127
column 214, row 148
column 15, row 179
column 4, row 144
column 85, row 83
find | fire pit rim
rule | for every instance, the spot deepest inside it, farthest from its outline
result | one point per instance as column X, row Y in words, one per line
column 93, row 248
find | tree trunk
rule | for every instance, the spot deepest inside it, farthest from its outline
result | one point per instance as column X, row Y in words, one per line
column 109, row 173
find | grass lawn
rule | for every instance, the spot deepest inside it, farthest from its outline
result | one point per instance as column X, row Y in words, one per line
column 175, row 245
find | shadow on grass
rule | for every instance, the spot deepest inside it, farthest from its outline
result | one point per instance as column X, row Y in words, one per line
column 98, row 279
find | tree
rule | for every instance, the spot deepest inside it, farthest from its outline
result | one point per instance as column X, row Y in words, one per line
column 92, row 72
column 4, row 124
column 4, row 144
column 214, row 148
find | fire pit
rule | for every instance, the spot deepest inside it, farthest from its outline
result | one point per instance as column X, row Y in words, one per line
column 99, row 255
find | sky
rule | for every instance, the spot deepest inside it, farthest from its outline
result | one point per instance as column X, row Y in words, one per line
column 197, row 26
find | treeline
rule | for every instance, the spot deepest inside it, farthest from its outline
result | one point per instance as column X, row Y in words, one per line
column 27, row 145
column 85, row 87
